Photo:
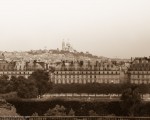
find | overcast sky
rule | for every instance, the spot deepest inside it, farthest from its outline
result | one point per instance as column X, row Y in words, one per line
column 111, row 28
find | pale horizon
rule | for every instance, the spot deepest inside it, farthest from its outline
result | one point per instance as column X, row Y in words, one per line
column 118, row 28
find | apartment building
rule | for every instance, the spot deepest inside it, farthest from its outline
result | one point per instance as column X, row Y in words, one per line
column 139, row 71
column 82, row 73
column 20, row 68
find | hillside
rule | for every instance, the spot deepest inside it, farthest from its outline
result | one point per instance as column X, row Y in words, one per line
column 50, row 55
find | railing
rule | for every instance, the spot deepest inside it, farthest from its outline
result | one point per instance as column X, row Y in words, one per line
column 73, row 118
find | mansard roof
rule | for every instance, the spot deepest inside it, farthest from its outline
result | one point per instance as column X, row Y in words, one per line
column 140, row 64
column 86, row 66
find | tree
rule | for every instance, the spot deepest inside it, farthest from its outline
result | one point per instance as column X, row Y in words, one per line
column 57, row 111
column 4, row 77
column 92, row 113
column 27, row 88
column 15, row 82
column 144, row 88
column 35, row 114
column 41, row 79
column 71, row 112
column 131, row 100
column 4, row 84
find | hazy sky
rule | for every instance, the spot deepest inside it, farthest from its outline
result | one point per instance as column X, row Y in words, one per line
column 111, row 28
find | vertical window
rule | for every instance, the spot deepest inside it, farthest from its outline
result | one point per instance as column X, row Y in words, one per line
column 4, row 67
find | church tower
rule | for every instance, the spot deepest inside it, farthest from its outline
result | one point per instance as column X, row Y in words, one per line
column 63, row 45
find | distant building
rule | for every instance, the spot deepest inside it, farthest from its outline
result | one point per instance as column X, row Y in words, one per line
column 20, row 68
column 139, row 71
column 67, row 47
column 79, row 72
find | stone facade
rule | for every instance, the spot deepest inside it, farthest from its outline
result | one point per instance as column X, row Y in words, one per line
column 139, row 72
column 82, row 73
column 20, row 68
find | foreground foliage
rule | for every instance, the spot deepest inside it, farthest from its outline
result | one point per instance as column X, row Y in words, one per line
column 36, row 85
column 131, row 101
column 98, row 88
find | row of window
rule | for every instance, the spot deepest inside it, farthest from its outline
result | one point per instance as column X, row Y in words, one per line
column 140, row 81
column 140, row 69
column 141, row 76
column 89, row 72
column 11, row 73
column 140, row 72
column 26, row 76
column 87, row 81
column 86, row 69
column 86, row 76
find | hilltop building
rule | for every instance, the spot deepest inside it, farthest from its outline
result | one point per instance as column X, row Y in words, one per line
column 67, row 47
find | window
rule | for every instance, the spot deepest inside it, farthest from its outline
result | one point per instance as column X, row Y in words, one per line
column 4, row 67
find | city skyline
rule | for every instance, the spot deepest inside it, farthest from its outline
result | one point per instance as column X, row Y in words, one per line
column 102, row 27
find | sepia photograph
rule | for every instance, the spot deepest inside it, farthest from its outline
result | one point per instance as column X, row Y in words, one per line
column 74, row 60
